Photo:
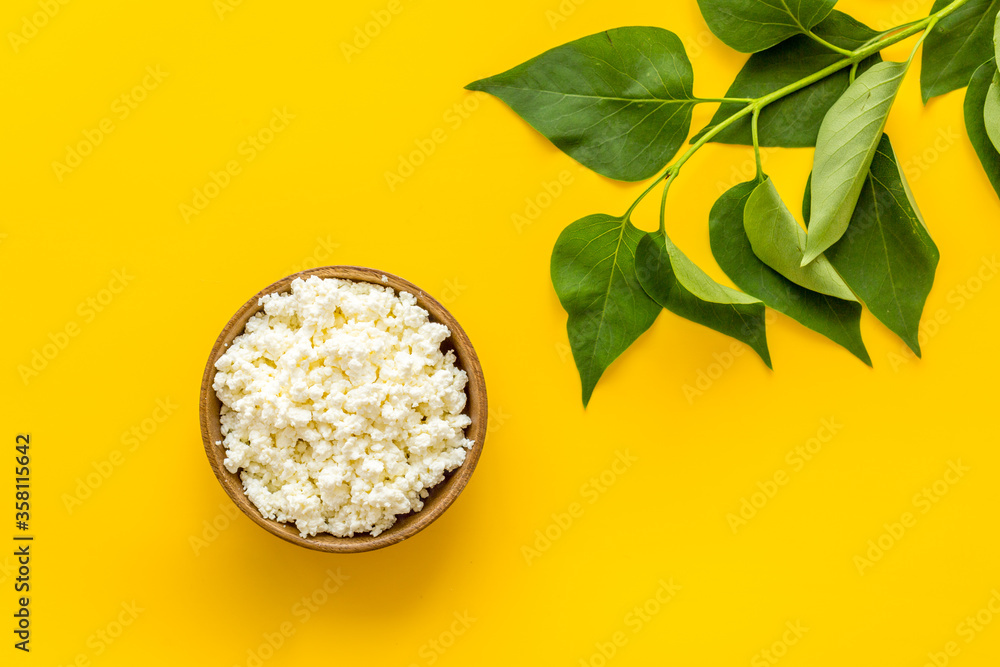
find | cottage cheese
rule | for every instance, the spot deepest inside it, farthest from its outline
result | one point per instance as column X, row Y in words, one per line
column 339, row 407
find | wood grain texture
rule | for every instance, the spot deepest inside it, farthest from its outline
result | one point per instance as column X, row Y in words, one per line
column 440, row 497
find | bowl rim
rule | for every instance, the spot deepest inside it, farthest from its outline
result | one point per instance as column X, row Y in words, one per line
column 447, row 490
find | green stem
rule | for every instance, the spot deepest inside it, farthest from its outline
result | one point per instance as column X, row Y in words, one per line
column 832, row 47
column 927, row 31
column 756, row 143
column 737, row 100
column 656, row 181
column 889, row 32
column 663, row 208
column 754, row 106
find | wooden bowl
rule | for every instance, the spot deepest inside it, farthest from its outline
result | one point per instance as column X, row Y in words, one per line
column 440, row 497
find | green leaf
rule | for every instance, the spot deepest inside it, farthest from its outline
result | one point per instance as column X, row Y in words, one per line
column 754, row 25
column 975, row 124
column 991, row 111
column 678, row 285
column 845, row 147
column 838, row 320
column 957, row 46
column 619, row 102
column 593, row 272
column 779, row 242
column 887, row 257
column 792, row 121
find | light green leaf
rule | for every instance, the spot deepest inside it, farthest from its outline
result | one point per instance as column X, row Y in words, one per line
column 887, row 257
column 754, row 25
column 957, row 46
column 619, row 102
column 678, row 285
column 838, row 320
column 593, row 272
column 975, row 122
column 792, row 121
column 991, row 111
column 779, row 242
column 845, row 148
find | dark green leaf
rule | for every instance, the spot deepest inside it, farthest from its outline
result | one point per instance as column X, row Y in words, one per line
column 845, row 147
column 793, row 121
column 975, row 100
column 674, row 281
column 593, row 272
column 836, row 319
column 754, row 25
column 619, row 102
column 778, row 241
column 886, row 256
column 957, row 46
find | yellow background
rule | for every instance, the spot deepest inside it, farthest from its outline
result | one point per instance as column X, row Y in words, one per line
column 318, row 194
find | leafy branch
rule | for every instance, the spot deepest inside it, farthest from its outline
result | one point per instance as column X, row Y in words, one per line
column 853, row 58
column 620, row 102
